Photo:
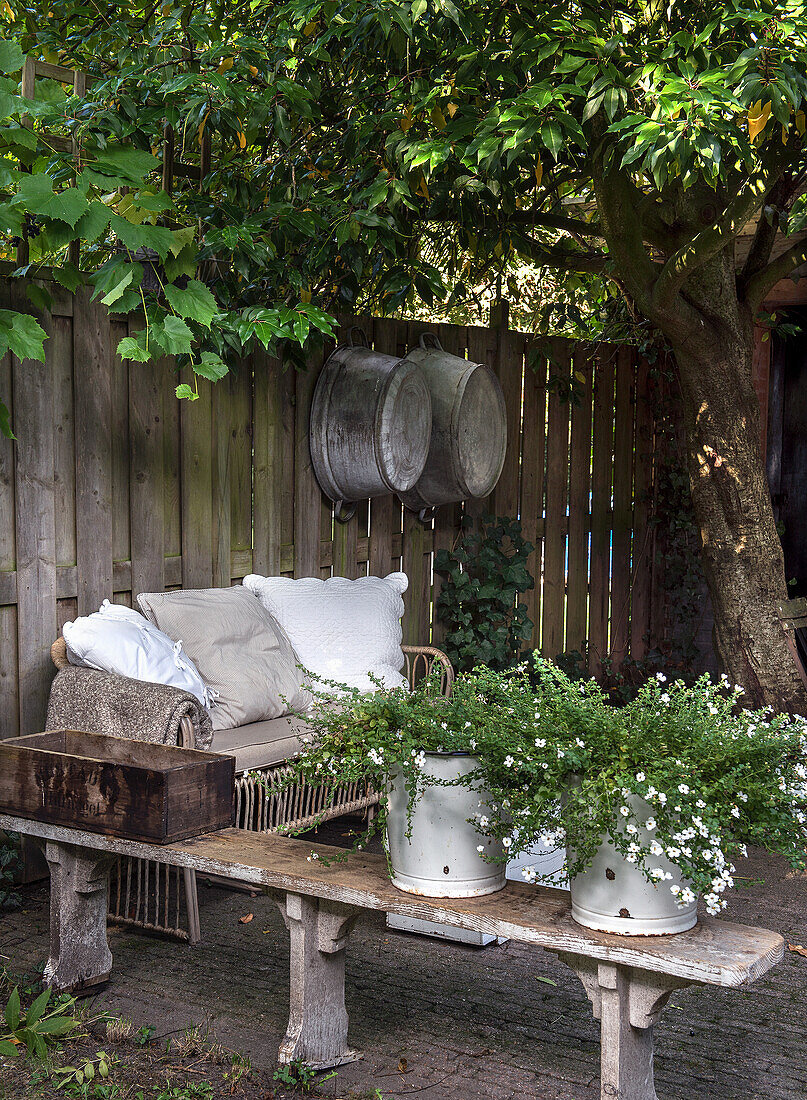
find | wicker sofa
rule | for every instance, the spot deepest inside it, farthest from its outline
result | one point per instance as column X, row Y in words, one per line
column 148, row 895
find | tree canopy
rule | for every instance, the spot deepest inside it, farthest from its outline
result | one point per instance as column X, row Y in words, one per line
column 361, row 154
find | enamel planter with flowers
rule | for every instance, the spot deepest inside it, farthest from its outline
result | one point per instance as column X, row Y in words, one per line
column 657, row 797
column 432, row 759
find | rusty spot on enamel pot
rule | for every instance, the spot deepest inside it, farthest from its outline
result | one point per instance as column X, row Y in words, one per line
column 609, row 874
column 446, row 870
column 624, row 912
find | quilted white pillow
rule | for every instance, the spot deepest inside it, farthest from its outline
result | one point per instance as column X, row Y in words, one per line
column 117, row 639
column 343, row 630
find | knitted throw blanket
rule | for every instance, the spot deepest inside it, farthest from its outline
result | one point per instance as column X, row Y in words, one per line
column 85, row 699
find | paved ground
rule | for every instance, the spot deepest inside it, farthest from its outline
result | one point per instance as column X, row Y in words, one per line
column 459, row 1023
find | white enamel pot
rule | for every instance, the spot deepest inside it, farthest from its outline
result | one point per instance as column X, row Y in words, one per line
column 613, row 895
column 439, row 859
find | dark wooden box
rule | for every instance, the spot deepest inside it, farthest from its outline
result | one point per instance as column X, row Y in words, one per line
column 132, row 789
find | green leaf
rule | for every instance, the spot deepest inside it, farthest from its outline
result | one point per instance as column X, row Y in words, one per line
column 57, row 1026
column 129, row 348
column 37, row 1008
column 39, row 296
column 194, row 302
column 122, row 161
column 9, row 1050
column 11, row 57
column 184, row 264
column 93, row 221
column 68, row 276
column 118, row 289
column 22, row 335
column 12, row 1012
column 182, row 238
column 172, row 335
column 36, row 193
column 186, row 393
column 142, row 236
column 210, row 366
column 5, row 422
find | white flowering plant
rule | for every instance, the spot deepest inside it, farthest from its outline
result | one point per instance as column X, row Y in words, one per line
column 681, row 772
column 374, row 739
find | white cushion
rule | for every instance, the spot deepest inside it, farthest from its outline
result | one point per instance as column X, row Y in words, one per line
column 342, row 630
column 118, row 640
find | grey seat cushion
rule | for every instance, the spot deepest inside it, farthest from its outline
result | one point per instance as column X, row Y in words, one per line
column 260, row 744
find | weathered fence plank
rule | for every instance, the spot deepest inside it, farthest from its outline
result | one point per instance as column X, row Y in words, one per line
column 9, row 690
column 93, row 415
column 555, row 521
column 196, row 491
column 602, row 480
column 579, row 492
column 35, row 526
column 532, row 480
column 642, row 533
column 307, row 494
column 623, row 503
column 147, row 518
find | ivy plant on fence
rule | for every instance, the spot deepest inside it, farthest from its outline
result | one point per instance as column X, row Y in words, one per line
column 483, row 577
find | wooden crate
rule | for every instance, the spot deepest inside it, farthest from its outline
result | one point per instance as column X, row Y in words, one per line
column 132, row 789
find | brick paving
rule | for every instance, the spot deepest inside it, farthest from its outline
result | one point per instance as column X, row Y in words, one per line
column 499, row 1023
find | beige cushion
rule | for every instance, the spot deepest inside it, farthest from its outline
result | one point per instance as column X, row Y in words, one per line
column 260, row 744
column 241, row 652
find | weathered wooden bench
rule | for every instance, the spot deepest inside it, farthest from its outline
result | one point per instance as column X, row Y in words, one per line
column 628, row 980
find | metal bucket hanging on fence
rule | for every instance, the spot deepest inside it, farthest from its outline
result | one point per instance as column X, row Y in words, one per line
column 469, row 429
column 370, row 425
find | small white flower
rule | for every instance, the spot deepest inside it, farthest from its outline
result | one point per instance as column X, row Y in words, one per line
column 540, row 742
column 631, row 828
column 656, row 873
column 650, row 824
column 508, row 761
column 507, row 842
column 480, row 848
column 661, row 796
column 656, row 849
column 735, row 811
column 529, row 874
column 483, row 822
column 683, row 788
column 662, row 679
column 640, row 777
column 664, row 697
column 624, row 811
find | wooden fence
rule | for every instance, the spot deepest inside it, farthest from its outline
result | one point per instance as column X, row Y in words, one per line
column 114, row 487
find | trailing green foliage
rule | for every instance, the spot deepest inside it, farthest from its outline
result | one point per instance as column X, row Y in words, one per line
column 483, row 577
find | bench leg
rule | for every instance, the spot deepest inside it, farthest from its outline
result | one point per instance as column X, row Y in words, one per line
column 79, row 884
column 627, row 1002
column 317, row 1031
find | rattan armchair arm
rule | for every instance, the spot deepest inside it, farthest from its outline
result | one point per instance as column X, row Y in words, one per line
column 420, row 660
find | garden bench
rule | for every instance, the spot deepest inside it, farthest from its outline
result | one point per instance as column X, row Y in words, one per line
column 627, row 979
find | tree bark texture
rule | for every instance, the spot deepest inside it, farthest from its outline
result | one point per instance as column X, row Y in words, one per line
column 742, row 553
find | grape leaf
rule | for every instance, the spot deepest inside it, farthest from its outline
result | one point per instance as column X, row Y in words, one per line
column 129, row 348
column 93, row 221
column 142, row 236
column 22, row 335
column 11, row 57
column 186, row 392
column 36, row 192
column 172, row 335
column 68, row 276
column 5, row 429
column 210, row 366
column 194, row 302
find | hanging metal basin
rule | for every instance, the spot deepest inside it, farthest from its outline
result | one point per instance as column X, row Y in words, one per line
column 370, row 425
column 469, row 428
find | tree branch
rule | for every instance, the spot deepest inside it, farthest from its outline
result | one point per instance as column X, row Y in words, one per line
column 714, row 238
column 584, row 263
column 758, row 287
column 555, row 221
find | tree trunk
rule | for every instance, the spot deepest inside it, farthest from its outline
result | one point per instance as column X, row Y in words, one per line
column 742, row 554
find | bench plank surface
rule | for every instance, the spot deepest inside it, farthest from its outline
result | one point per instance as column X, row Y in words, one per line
column 715, row 952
